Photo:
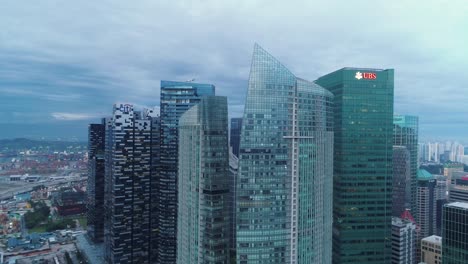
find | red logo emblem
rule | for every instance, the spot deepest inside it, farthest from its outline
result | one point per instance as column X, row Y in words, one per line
column 366, row 75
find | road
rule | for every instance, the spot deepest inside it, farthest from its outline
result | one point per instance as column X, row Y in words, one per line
column 24, row 187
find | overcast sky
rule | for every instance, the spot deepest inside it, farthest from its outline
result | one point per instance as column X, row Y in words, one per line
column 64, row 63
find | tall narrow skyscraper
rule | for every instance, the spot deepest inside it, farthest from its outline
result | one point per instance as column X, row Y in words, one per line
column 128, row 174
column 234, row 137
column 401, row 181
column 427, row 203
column 204, row 224
column 95, row 189
column 176, row 99
column 405, row 133
column 362, row 164
column 284, row 185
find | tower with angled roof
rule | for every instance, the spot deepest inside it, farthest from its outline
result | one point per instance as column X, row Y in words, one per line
column 284, row 184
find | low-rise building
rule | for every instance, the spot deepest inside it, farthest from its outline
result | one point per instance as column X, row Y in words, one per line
column 431, row 250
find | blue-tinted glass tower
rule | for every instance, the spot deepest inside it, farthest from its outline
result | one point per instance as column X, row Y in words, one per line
column 176, row 99
column 204, row 217
column 234, row 137
column 284, row 185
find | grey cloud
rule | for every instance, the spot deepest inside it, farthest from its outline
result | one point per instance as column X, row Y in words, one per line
column 123, row 49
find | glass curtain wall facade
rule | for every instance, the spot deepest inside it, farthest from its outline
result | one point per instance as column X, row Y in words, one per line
column 204, row 224
column 234, row 138
column 284, row 185
column 176, row 99
column 405, row 133
column 455, row 233
column 401, row 181
column 362, row 164
column 95, row 189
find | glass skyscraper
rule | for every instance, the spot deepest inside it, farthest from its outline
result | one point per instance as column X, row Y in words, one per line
column 95, row 189
column 203, row 221
column 128, row 175
column 401, row 181
column 234, row 137
column 455, row 233
column 363, row 118
column 405, row 133
column 284, row 184
column 176, row 99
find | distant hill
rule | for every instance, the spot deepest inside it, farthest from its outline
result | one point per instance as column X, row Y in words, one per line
column 20, row 144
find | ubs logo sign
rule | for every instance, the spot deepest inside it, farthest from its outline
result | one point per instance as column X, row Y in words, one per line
column 365, row 75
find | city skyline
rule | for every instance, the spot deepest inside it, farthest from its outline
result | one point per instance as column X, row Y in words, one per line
column 58, row 72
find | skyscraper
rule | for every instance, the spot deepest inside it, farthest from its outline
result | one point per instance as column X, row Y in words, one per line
column 427, row 203
column 95, row 189
column 176, row 99
column 233, row 171
column 405, row 133
column 403, row 241
column 284, row 185
column 234, row 138
column 455, row 233
column 128, row 173
column 204, row 215
column 362, row 164
column 151, row 115
column 458, row 190
column 441, row 200
column 401, row 181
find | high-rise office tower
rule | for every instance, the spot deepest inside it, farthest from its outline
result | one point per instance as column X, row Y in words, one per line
column 441, row 200
column 233, row 171
column 401, row 180
column 426, row 217
column 449, row 170
column 455, row 233
column 176, row 99
column 403, row 241
column 362, row 164
column 284, row 185
column 155, row 121
column 203, row 220
column 95, row 189
column 458, row 190
column 426, row 203
column 234, row 138
column 431, row 250
column 128, row 173
column 405, row 133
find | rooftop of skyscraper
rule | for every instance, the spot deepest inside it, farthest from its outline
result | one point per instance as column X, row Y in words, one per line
column 425, row 175
column 458, row 204
column 433, row 239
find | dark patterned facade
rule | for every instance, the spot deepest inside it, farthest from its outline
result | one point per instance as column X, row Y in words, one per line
column 95, row 189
